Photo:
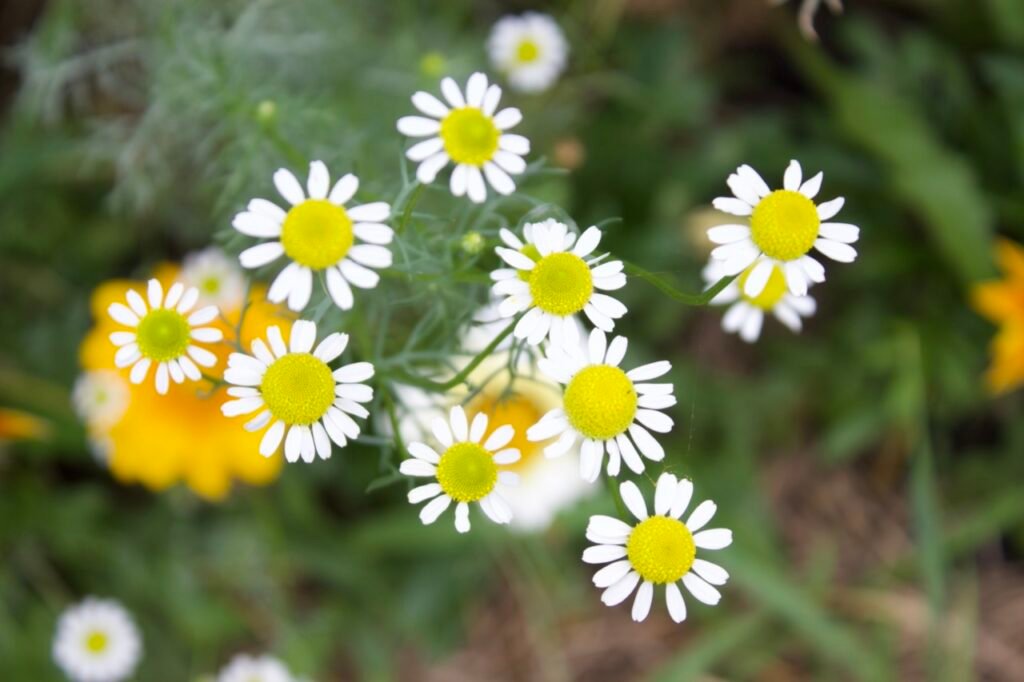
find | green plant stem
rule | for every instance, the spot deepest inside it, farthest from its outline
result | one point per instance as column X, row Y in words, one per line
column 414, row 198
column 440, row 386
column 681, row 296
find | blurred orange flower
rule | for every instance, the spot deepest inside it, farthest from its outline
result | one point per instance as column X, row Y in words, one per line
column 1002, row 301
column 159, row 441
column 18, row 425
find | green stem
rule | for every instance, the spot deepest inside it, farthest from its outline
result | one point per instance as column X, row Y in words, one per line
column 293, row 155
column 404, row 377
column 409, row 206
column 683, row 297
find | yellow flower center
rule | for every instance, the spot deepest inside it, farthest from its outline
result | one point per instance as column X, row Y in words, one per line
column 516, row 410
column 298, row 388
column 785, row 224
column 163, row 334
column 467, row 472
column 661, row 549
column 96, row 642
column 600, row 402
column 469, row 136
column 528, row 51
column 210, row 285
column 316, row 233
column 561, row 284
column 772, row 293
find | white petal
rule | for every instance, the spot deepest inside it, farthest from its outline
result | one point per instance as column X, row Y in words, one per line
column 642, row 602
column 162, row 378
column 617, row 593
column 462, row 517
column 475, row 188
column 612, row 573
column 476, row 87
column 425, row 149
column 713, row 573
column 616, row 351
column 732, row 205
column 344, row 189
column 664, row 494
column 517, row 144
column 459, row 180
column 429, row 105
column 587, row 242
column 811, row 188
column 507, row 118
column 829, row 209
column 321, row 441
column 840, row 232
column 303, row 336
column 203, row 315
column 649, row 371
column 371, row 255
column 424, row 492
column 339, row 290
column 655, row 421
column 261, row 254
column 498, row 179
column 374, row 233
column 715, row 538
column 509, row 162
column 370, row 213
column 428, row 170
column 602, row 554
column 188, row 299
column 684, row 493
column 758, row 278
column 442, row 432
column 675, row 603
column 459, row 424
column 844, row 253
column 357, row 275
column 418, row 126
column 434, row 508
column 754, row 179
column 727, row 234
column 478, row 428
column 139, row 371
column 500, row 437
column 633, row 499
column 791, row 180
column 319, row 180
column 424, row 452
column 123, row 314
column 136, row 303
column 701, row 590
column 452, row 93
column 354, row 373
column 491, row 99
column 288, row 186
column 417, row 467
column 701, row 515
column 596, row 346
column 646, row 444
column 268, row 209
column 155, row 293
column 272, row 439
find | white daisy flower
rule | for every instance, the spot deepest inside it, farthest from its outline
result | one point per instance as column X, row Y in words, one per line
column 551, row 279
column 529, row 49
column 784, row 226
column 217, row 277
column 469, row 134
column 605, row 407
column 245, row 668
column 519, row 398
column 100, row 398
column 466, row 471
column 294, row 389
column 165, row 333
column 746, row 313
column 317, row 233
column 97, row 641
column 659, row 550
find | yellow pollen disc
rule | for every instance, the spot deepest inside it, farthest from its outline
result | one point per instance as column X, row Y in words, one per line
column 528, row 51
column 772, row 293
column 561, row 284
column 785, row 224
column 210, row 285
column 469, row 136
column 316, row 233
column 96, row 642
column 531, row 252
column 600, row 402
column 163, row 334
column 661, row 549
column 298, row 388
column 516, row 410
column 467, row 472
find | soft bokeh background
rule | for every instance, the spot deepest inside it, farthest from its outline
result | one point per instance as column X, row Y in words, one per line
column 872, row 482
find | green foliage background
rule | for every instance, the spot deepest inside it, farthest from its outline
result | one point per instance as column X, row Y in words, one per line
column 141, row 127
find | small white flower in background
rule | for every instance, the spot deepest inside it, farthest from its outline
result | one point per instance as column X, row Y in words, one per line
column 294, row 389
column 519, row 398
column 552, row 281
column 746, row 313
column 784, row 226
column 467, row 470
column 217, row 277
column 468, row 133
column 100, row 398
column 659, row 550
column 97, row 641
column 605, row 407
column 164, row 333
column 529, row 49
column 317, row 233
column 245, row 668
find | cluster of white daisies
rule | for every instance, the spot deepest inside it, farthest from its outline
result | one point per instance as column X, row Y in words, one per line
column 97, row 640
column 553, row 283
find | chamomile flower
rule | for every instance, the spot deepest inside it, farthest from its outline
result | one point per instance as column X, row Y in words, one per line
column 294, row 390
column 785, row 225
column 605, row 407
column 317, row 233
column 217, row 277
column 529, row 49
column 659, row 550
column 467, row 470
column 164, row 332
column 100, row 398
column 746, row 313
column 97, row 641
column 467, row 132
column 245, row 668
column 551, row 279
